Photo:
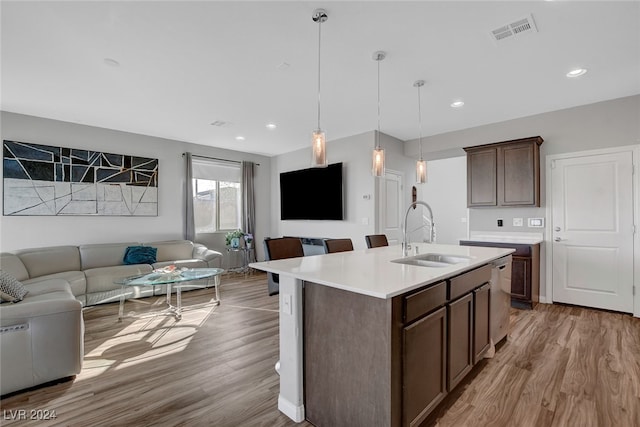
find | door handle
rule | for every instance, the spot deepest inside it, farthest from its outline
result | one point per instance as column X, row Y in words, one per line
column 557, row 228
column 557, row 239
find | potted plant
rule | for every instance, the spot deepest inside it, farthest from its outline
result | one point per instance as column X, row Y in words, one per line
column 248, row 240
column 232, row 238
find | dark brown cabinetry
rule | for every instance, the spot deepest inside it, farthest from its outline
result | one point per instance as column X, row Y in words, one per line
column 460, row 336
column 504, row 174
column 525, row 271
column 390, row 362
column 425, row 366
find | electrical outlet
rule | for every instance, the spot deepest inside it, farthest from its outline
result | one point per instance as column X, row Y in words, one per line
column 517, row 222
column 536, row 222
column 500, row 223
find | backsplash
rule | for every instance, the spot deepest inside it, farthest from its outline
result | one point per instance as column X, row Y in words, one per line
column 486, row 219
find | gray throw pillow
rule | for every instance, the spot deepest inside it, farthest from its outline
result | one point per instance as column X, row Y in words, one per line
column 10, row 288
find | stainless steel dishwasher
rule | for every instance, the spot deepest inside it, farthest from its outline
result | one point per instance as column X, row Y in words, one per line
column 500, row 298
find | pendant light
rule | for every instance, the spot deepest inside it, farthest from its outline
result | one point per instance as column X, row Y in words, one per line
column 318, row 141
column 421, row 165
column 377, row 168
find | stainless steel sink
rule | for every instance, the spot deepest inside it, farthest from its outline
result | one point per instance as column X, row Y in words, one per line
column 432, row 260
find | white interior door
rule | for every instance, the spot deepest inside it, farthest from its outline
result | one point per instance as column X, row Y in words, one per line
column 592, row 223
column 391, row 206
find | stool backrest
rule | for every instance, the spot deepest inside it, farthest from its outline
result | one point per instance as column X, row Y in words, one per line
column 376, row 240
column 337, row 245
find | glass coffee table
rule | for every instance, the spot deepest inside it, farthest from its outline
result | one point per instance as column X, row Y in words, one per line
column 176, row 279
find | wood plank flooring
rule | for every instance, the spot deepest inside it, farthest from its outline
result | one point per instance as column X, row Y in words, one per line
column 561, row 366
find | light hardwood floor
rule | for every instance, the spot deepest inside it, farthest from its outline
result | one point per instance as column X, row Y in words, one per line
column 561, row 366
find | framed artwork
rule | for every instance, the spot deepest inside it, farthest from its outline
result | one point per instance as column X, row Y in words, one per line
column 48, row 180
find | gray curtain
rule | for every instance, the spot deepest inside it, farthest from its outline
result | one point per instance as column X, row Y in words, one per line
column 248, row 201
column 189, row 224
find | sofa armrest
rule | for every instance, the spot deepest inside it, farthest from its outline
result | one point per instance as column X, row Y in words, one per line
column 211, row 257
column 28, row 310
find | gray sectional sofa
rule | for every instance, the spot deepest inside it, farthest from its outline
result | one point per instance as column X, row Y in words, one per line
column 41, row 337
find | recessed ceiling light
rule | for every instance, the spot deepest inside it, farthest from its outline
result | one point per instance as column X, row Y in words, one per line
column 271, row 126
column 577, row 72
column 111, row 62
column 239, row 138
column 457, row 104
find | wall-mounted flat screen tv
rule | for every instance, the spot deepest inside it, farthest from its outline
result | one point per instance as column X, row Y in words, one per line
column 314, row 193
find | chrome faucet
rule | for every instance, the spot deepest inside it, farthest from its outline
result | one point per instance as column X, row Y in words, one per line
column 432, row 234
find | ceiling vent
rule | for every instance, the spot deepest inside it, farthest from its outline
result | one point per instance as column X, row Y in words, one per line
column 220, row 123
column 519, row 27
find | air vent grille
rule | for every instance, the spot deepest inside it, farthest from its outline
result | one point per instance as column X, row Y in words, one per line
column 220, row 123
column 519, row 27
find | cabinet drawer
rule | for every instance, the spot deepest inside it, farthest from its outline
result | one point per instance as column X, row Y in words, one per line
column 422, row 302
column 467, row 282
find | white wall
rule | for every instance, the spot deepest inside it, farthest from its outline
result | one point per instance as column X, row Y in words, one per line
column 355, row 154
column 605, row 124
column 357, row 181
column 446, row 192
column 19, row 232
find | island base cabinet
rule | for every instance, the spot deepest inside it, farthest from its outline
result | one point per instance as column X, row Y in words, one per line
column 351, row 378
column 460, row 336
column 425, row 366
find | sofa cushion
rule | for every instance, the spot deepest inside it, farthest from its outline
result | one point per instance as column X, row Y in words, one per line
column 173, row 250
column 76, row 279
column 140, row 255
column 103, row 278
column 11, row 264
column 10, row 288
column 50, row 260
column 103, row 255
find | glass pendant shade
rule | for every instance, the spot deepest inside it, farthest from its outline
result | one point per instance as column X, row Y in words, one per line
column 421, row 171
column 377, row 168
column 318, row 153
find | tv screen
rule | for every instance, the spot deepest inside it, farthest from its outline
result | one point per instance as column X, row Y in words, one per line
column 314, row 193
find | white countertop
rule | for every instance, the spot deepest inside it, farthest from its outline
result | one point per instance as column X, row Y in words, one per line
column 371, row 272
column 522, row 238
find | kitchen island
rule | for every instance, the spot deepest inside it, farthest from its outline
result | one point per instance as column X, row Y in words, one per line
column 367, row 340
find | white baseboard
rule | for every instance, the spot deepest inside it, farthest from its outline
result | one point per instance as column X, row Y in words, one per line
column 296, row 413
column 543, row 300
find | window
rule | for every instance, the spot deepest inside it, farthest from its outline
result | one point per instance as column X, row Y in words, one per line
column 217, row 196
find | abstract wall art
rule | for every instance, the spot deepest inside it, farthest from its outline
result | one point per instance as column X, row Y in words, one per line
column 47, row 180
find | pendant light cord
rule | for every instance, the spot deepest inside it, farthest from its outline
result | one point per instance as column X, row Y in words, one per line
column 319, row 44
column 378, row 134
column 420, row 120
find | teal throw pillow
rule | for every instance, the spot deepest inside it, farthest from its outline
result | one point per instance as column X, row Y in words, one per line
column 140, row 255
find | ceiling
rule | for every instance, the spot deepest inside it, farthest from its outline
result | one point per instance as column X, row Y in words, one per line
column 184, row 65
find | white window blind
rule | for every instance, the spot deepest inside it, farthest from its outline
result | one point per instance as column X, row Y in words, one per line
column 216, row 170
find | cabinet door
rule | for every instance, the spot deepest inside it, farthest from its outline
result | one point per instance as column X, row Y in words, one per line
column 481, row 324
column 518, row 175
column 460, row 334
column 424, row 366
column 482, row 177
column 521, row 278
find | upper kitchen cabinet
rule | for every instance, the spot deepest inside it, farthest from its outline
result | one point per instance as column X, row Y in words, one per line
column 504, row 173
